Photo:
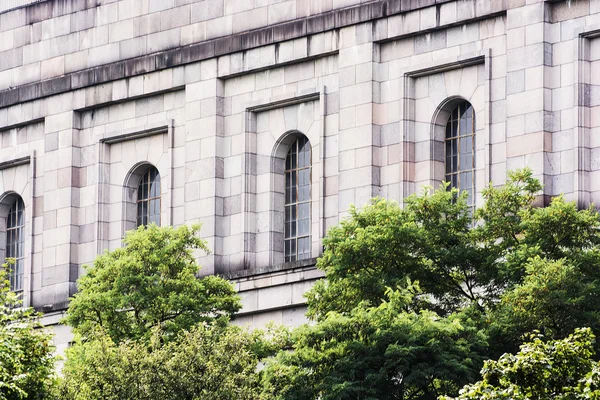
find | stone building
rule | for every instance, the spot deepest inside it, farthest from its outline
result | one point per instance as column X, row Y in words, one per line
column 265, row 120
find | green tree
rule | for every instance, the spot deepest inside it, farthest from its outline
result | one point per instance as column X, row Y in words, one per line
column 554, row 370
column 384, row 352
column 147, row 327
column 150, row 283
column 510, row 268
column 26, row 351
column 207, row 362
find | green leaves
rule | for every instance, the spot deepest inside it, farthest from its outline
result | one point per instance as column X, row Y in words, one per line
column 483, row 283
column 206, row 362
column 377, row 352
column 26, row 351
column 559, row 369
column 148, row 328
column 150, row 283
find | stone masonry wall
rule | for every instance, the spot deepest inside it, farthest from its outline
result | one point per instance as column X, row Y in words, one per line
column 213, row 92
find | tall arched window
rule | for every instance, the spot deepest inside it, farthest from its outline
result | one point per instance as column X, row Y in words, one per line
column 297, row 201
column 148, row 198
column 460, row 150
column 15, row 243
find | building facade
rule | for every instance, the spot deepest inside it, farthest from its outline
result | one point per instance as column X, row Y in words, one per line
column 265, row 120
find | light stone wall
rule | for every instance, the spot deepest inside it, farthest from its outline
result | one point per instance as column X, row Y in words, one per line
column 61, row 36
column 212, row 93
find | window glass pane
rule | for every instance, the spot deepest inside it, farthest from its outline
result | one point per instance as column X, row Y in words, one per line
column 466, row 144
column 463, row 126
column 292, row 253
column 155, row 187
column 154, row 219
column 466, row 180
column 297, row 200
column 21, row 217
column 454, row 147
column 303, row 210
column 148, row 211
column 304, row 227
column 304, row 193
column 460, row 155
column 303, row 248
column 469, row 196
column 15, row 243
column 287, row 251
column 466, row 161
column 155, row 207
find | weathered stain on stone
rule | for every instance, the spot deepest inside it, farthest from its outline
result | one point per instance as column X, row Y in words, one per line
column 197, row 52
column 168, row 59
column 30, row 92
column 220, row 46
column 229, row 44
column 61, row 84
column 256, row 38
column 289, row 30
column 141, row 65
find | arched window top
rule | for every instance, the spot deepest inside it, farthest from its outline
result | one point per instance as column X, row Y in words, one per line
column 15, row 243
column 148, row 198
column 460, row 149
column 298, row 164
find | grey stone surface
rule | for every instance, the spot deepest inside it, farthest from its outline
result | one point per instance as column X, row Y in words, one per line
column 211, row 92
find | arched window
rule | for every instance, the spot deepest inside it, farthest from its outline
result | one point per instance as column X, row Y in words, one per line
column 297, row 201
column 460, row 150
column 148, row 198
column 15, row 243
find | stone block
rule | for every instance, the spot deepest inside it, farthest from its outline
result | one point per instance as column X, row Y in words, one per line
column 219, row 27
column 54, row 27
column 53, row 67
column 206, row 10
column 164, row 40
column 285, row 11
column 568, row 10
column 175, row 17
column 107, row 14
column 13, row 19
column 83, row 20
column 160, row 5
column 132, row 8
column 11, row 58
column 431, row 41
column 133, row 47
column 243, row 21
column 121, row 30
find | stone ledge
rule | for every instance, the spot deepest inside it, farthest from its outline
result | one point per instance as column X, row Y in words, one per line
column 294, row 29
column 285, row 267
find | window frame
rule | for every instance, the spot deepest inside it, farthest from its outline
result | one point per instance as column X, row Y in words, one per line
column 145, row 198
column 289, row 254
column 450, row 170
column 16, row 230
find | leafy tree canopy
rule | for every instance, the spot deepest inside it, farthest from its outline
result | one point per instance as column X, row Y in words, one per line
column 26, row 351
column 390, row 351
column 555, row 370
column 149, row 283
column 206, row 362
column 485, row 280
